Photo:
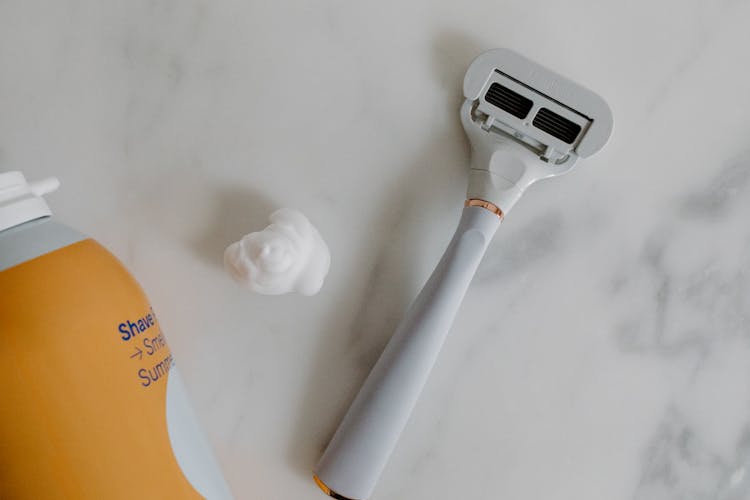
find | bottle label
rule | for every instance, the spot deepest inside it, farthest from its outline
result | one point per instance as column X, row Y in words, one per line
column 93, row 406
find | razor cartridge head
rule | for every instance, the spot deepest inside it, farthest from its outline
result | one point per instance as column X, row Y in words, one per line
column 513, row 97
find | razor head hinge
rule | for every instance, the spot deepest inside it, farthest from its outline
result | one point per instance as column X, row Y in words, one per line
column 491, row 125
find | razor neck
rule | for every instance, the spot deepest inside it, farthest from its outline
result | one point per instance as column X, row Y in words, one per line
column 502, row 166
column 500, row 173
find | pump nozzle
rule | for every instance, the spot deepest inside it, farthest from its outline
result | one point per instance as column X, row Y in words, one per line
column 21, row 201
column 44, row 186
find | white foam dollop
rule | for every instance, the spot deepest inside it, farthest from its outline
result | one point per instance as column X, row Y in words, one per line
column 287, row 256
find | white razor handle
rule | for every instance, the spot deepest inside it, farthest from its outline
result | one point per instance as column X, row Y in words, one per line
column 525, row 123
column 365, row 439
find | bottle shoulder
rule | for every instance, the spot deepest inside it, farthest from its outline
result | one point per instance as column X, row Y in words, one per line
column 33, row 239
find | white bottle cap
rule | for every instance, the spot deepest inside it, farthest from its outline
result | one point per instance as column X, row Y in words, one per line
column 21, row 201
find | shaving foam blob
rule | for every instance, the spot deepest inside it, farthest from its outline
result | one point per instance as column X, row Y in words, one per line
column 287, row 256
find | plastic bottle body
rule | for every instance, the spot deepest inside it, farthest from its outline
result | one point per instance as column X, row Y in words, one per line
column 94, row 406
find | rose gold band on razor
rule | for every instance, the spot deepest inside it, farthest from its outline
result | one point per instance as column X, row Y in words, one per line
column 328, row 491
column 486, row 205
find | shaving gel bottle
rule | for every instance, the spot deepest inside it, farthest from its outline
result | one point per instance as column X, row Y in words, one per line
column 93, row 405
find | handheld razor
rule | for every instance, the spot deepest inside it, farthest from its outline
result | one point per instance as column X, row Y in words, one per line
column 525, row 123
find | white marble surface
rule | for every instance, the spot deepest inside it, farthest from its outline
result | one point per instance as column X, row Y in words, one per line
column 604, row 349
